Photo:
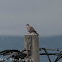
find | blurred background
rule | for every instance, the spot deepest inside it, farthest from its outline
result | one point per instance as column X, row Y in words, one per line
column 44, row 15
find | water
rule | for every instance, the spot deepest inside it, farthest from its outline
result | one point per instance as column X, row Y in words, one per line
column 17, row 42
column 53, row 42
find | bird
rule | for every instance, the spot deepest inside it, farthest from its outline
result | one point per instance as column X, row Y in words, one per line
column 30, row 29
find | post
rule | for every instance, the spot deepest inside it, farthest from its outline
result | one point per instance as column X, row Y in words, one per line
column 31, row 44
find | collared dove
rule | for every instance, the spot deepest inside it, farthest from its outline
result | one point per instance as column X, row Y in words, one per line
column 30, row 29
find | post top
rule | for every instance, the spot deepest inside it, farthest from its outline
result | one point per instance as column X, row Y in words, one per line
column 31, row 33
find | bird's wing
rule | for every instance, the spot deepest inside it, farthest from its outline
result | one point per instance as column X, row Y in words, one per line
column 32, row 29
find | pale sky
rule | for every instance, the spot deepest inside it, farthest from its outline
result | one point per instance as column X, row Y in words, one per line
column 44, row 15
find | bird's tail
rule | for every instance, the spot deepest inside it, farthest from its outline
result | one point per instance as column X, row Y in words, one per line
column 36, row 33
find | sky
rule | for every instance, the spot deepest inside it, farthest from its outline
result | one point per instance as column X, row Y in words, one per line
column 44, row 15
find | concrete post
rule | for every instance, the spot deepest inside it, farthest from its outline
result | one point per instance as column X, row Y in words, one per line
column 31, row 44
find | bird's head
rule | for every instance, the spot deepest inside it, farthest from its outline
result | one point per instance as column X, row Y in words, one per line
column 27, row 24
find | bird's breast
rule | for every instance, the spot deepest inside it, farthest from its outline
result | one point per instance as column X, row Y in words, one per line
column 28, row 28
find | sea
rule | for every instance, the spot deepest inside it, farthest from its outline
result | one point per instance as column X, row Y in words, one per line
column 17, row 42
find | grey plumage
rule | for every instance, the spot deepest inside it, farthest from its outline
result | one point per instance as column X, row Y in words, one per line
column 30, row 29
